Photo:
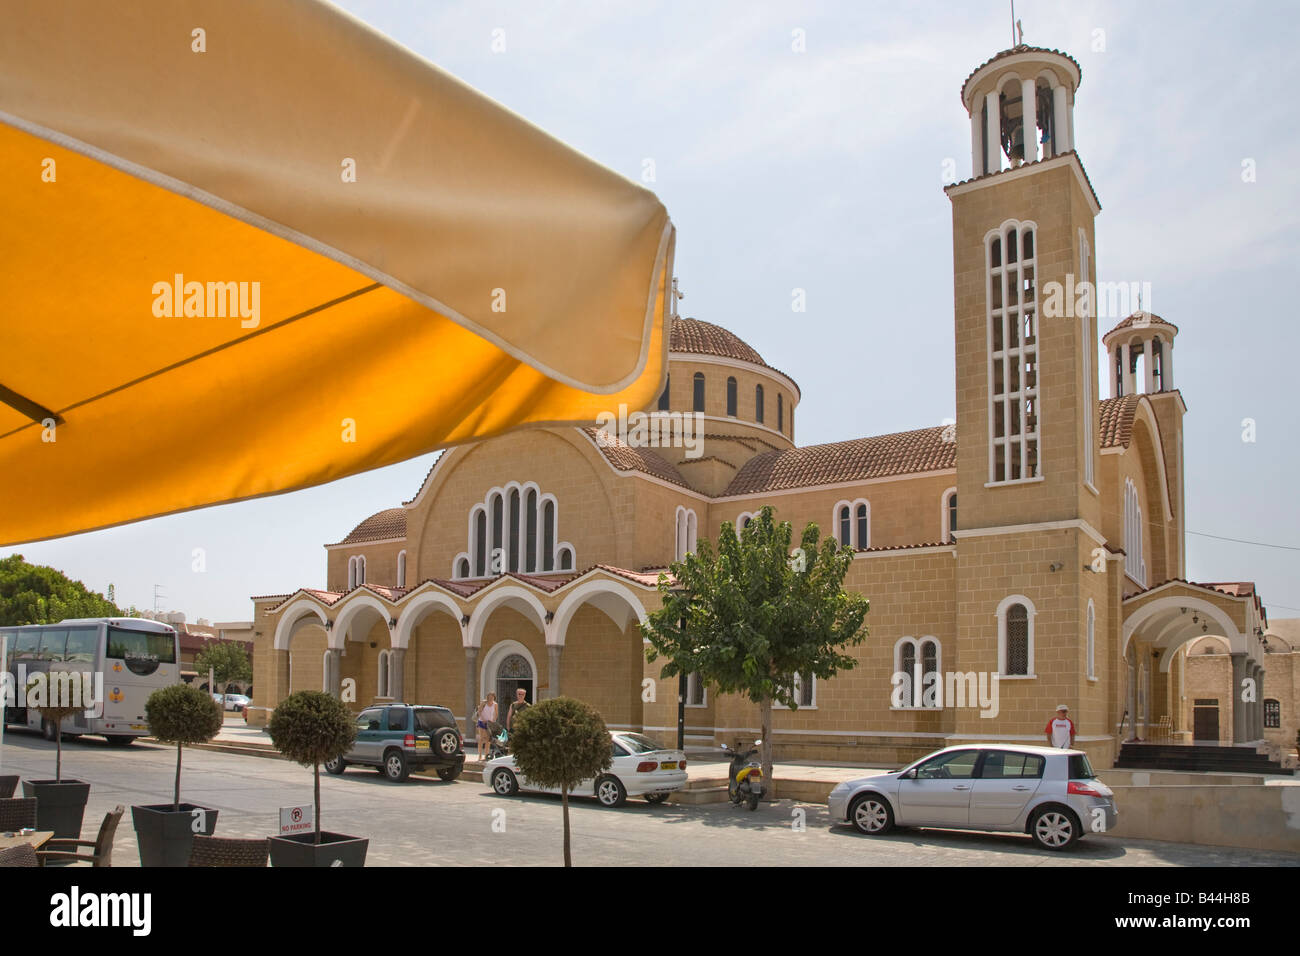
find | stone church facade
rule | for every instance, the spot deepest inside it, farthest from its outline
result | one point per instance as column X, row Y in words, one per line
column 1038, row 541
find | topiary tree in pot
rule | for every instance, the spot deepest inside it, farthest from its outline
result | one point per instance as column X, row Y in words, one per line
column 60, row 804
column 311, row 728
column 180, row 715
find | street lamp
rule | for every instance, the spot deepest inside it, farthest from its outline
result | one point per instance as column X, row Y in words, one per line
column 681, row 678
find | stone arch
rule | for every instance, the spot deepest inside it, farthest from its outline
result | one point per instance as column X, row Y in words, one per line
column 416, row 608
column 617, row 601
column 353, row 609
column 293, row 617
column 1175, row 638
column 513, row 596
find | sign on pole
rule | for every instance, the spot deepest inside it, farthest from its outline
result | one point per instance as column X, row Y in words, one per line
column 295, row 820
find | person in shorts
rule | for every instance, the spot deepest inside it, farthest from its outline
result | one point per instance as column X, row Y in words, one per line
column 1060, row 729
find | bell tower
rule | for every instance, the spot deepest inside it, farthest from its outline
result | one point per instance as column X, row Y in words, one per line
column 1027, row 535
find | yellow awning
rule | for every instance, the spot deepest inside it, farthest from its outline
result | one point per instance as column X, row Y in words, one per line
column 250, row 246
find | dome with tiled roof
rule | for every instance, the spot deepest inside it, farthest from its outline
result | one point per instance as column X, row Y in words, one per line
column 1065, row 61
column 694, row 337
column 389, row 523
column 1140, row 320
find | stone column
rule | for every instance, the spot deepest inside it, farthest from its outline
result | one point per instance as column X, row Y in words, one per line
column 1148, row 366
column 334, row 670
column 1126, row 368
column 993, row 133
column 397, row 674
column 1240, row 724
column 1060, row 121
column 471, row 689
column 553, row 653
column 1167, row 365
column 976, row 145
column 1258, row 672
column 281, row 681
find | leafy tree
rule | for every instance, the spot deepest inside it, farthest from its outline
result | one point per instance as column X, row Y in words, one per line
column 311, row 727
column 758, row 613
column 56, row 695
column 559, row 743
column 180, row 715
column 35, row 594
column 227, row 659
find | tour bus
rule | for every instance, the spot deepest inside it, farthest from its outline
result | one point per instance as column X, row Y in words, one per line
column 132, row 656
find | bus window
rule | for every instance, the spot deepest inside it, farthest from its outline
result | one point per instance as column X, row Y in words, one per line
column 54, row 643
column 124, row 644
column 82, row 644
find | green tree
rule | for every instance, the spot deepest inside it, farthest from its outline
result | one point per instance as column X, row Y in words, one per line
column 34, row 594
column 311, row 727
column 56, row 695
column 227, row 659
column 180, row 715
column 757, row 613
column 559, row 743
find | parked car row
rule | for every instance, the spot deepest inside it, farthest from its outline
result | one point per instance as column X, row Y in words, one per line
column 233, row 701
column 1053, row 795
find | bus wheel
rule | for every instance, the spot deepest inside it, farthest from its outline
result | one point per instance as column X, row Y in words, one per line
column 120, row 740
column 48, row 729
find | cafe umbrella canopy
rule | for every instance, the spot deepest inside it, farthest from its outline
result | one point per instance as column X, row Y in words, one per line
column 251, row 246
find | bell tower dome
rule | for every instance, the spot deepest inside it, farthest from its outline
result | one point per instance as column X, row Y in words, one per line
column 1021, row 106
column 1146, row 339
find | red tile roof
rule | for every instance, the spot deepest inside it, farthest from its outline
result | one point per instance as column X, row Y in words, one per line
column 389, row 523
column 1019, row 48
column 625, row 457
column 902, row 453
column 1116, row 419
column 692, row 336
column 1139, row 320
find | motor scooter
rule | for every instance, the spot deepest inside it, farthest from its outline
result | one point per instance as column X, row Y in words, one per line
column 745, row 775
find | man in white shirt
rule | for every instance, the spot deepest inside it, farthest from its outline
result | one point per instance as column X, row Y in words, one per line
column 1060, row 729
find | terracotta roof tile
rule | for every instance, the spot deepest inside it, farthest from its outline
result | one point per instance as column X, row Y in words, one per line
column 1139, row 320
column 389, row 523
column 1018, row 48
column 1116, row 418
column 901, row 453
column 692, row 336
column 625, row 457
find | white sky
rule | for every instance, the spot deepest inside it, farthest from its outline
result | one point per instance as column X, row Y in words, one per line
column 822, row 171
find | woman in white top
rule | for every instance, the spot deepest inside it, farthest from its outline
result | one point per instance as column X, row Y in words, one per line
column 486, row 714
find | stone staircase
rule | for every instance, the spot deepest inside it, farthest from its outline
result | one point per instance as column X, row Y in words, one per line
column 1197, row 758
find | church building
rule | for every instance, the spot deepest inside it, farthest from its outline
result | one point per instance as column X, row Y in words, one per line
column 1039, row 541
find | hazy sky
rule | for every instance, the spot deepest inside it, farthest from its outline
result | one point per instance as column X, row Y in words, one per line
column 822, row 170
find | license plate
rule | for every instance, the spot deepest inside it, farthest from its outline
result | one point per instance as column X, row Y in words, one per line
column 668, row 765
column 139, row 726
column 422, row 745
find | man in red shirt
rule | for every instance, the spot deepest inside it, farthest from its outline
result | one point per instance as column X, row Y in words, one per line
column 1060, row 729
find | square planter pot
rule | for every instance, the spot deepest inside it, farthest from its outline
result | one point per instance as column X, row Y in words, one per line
column 8, row 784
column 165, row 836
column 59, row 806
column 335, row 849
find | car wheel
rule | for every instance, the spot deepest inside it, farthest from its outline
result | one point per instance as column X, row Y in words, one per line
column 395, row 768
column 656, row 797
column 120, row 740
column 504, row 782
column 610, row 792
column 446, row 743
column 871, row 814
column 1054, row 828
column 448, row 773
column 48, row 729
column 336, row 766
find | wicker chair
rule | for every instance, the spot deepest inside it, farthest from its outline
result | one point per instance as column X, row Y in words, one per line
column 65, row 851
column 222, row 851
column 24, row 855
column 17, row 812
column 8, row 784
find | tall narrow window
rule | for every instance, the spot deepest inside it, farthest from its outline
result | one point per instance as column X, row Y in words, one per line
column 512, row 545
column 361, row 570
column 530, row 531
column 1134, row 559
column 1016, row 642
column 462, row 568
column 1085, row 330
column 731, row 396
column 566, row 559
column 548, row 536
column 1013, row 354
column 780, row 413
column 908, row 668
column 697, row 403
column 864, row 526
column 846, row 527
column 401, row 569
column 950, row 517
column 758, row 404
column 929, row 665
column 480, row 542
column 1092, row 640
column 498, row 534
column 663, row 396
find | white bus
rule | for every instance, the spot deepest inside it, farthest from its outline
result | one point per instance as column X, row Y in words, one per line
column 134, row 656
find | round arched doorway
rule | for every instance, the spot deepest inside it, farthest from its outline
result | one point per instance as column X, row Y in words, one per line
column 508, row 667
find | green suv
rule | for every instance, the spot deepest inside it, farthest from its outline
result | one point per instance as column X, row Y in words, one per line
column 398, row 738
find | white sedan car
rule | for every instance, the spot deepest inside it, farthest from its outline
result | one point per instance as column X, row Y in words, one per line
column 640, row 768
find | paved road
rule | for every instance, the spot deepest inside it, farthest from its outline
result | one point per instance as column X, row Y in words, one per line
column 427, row 822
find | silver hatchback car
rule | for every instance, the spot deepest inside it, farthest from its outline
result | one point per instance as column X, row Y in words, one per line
column 1053, row 795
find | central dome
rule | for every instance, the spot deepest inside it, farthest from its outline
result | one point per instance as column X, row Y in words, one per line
column 705, row 338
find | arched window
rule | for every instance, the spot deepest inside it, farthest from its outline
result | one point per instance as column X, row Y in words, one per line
column 685, row 538
column 846, row 527
column 1016, row 637
column 695, row 692
column 462, row 568
column 324, row 672
column 907, row 667
column 663, row 396
column 548, row 536
column 948, row 516
column 758, row 404
column 530, row 531
column 352, row 573
column 1013, row 353
column 1092, row 640
column 401, row 569
column 361, row 570
column 1134, row 561
column 731, row 396
column 852, row 523
column 863, row 525
column 382, row 667
column 512, row 529
column 697, row 403
column 780, row 413
column 495, row 564
column 742, row 522
column 566, row 558
column 478, row 547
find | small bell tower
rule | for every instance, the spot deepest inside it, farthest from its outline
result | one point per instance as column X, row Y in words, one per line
column 1021, row 106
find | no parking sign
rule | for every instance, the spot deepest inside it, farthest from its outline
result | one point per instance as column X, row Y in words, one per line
column 295, row 820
